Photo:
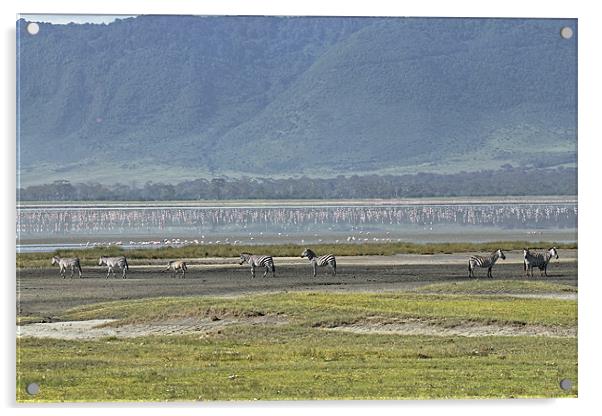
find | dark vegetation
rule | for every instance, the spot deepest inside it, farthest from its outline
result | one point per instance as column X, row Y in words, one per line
column 511, row 181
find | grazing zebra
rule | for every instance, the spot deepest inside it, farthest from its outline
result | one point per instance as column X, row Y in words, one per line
column 258, row 261
column 114, row 262
column 539, row 260
column 176, row 265
column 326, row 260
column 487, row 261
column 71, row 263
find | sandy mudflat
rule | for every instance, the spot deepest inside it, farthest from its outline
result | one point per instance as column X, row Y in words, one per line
column 41, row 292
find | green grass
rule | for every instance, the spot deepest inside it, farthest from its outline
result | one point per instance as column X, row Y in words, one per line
column 300, row 360
column 327, row 308
column 249, row 363
column 499, row 286
column 90, row 256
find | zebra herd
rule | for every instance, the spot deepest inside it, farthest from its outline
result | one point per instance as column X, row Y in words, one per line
column 531, row 260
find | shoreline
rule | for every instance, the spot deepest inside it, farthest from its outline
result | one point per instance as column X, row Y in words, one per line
column 264, row 203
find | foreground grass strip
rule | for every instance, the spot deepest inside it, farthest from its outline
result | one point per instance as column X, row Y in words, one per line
column 90, row 256
column 299, row 360
column 496, row 287
column 327, row 308
column 294, row 363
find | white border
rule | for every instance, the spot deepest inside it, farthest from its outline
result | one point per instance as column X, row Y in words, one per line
column 589, row 153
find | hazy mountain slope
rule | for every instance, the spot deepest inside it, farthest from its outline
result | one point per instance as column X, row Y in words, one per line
column 198, row 95
column 151, row 84
column 378, row 102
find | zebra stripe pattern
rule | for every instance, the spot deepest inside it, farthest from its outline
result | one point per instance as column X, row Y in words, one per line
column 114, row 262
column 321, row 261
column 68, row 263
column 176, row 265
column 481, row 261
column 539, row 260
column 258, row 261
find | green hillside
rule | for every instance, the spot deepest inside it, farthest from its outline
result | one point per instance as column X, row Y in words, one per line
column 168, row 98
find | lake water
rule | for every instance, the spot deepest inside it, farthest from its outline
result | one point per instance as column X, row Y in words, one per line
column 47, row 227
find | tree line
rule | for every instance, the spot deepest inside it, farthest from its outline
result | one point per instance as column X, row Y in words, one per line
column 509, row 181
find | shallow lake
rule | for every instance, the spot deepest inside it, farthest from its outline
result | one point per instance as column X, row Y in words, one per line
column 46, row 227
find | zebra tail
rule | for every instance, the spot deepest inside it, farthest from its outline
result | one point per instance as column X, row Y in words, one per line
column 184, row 267
column 273, row 268
column 127, row 266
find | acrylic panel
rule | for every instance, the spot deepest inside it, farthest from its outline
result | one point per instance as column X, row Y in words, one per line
column 240, row 208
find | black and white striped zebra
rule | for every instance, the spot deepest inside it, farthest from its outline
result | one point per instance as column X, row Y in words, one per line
column 114, row 262
column 539, row 260
column 67, row 262
column 315, row 260
column 484, row 261
column 258, row 261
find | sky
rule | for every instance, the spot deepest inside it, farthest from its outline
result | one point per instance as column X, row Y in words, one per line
column 63, row 19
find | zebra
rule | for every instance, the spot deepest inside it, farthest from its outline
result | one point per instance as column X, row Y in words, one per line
column 326, row 260
column 112, row 263
column 258, row 261
column 539, row 260
column 482, row 261
column 71, row 263
column 176, row 265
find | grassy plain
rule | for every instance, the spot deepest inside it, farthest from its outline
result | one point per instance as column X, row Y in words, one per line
column 302, row 357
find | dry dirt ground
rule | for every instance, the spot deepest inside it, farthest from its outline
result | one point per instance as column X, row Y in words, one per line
column 41, row 292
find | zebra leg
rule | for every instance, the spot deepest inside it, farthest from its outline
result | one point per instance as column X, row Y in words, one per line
column 108, row 272
column 315, row 269
column 489, row 273
column 334, row 269
column 267, row 269
column 72, row 271
column 252, row 271
column 123, row 276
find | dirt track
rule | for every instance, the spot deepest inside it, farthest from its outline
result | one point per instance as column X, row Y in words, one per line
column 41, row 292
